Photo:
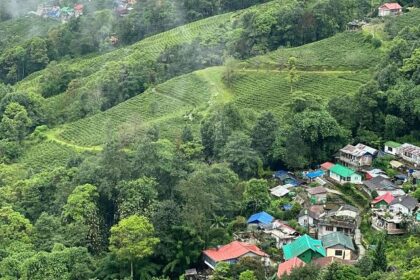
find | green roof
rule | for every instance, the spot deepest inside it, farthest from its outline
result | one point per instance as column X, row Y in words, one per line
column 342, row 170
column 337, row 238
column 301, row 245
column 392, row 144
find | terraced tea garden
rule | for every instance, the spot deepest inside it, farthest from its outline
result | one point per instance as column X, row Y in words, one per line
column 344, row 51
column 270, row 90
column 175, row 99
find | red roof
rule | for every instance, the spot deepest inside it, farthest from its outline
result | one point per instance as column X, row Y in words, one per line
column 78, row 6
column 391, row 6
column 287, row 266
column 327, row 165
column 387, row 197
column 233, row 250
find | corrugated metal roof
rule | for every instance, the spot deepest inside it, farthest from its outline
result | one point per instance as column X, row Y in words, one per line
column 262, row 217
column 233, row 250
column 342, row 170
column 301, row 245
column 337, row 238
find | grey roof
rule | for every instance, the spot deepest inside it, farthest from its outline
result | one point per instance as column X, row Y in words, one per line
column 379, row 183
column 317, row 190
column 406, row 200
column 337, row 238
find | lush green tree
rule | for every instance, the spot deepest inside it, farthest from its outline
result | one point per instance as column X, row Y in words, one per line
column 247, row 275
column 240, row 156
column 307, row 272
column 183, row 248
column 136, row 197
column 263, row 135
column 256, row 195
column 208, row 191
column 62, row 263
column 292, row 75
column 221, row 272
column 337, row 271
column 14, row 227
column 133, row 239
column 83, row 223
column 249, row 264
column 365, row 265
column 218, row 126
column 15, row 122
column 380, row 262
column 46, row 232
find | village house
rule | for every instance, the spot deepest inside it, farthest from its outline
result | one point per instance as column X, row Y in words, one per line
column 317, row 195
column 416, row 177
column 370, row 174
column 281, row 232
column 396, row 164
column 326, row 166
column 279, row 191
column 286, row 267
column 389, row 9
column 410, row 153
column 338, row 245
column 343, row 219
column 392, row 147
column 405, row 205
column 232, row 253
column 391, row 222
column 305, row 248
column 261, row 218
column 382, row 201
column 343, row 175
column 310, row 217
column 286, row 178
column 382, row 185
column 357, row 156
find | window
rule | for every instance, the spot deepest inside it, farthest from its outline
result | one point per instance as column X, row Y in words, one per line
column 338, row 252
column 389, row 149
column 329, row 228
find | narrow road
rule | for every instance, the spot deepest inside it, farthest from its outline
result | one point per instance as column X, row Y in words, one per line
column 358, row 241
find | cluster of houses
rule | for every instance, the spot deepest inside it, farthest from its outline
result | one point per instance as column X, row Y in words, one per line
column 298, row 250
column 53, row 10
column 331, row 225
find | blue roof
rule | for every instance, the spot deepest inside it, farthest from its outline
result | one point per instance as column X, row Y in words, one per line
column 286, row 178
column 261, row 218
column 287, row 207
column 315, row 174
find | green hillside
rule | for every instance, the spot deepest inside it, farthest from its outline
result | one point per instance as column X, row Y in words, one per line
column 345, row 51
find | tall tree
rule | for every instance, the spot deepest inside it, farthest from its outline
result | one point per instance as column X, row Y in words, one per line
column 240, row 156
column 136, row 197
column 380, row 262
column 15, row 122
column 132, row 239
column 264, row 135
column 82, row 220
column 292, row 75
column 256, row 195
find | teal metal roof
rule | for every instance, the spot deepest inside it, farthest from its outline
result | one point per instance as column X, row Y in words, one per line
column 337, row 238
column 301, row 245
column 342, row 170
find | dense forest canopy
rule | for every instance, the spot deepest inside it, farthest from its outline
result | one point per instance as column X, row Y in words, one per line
column 129, row 144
